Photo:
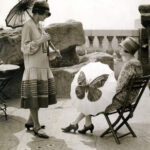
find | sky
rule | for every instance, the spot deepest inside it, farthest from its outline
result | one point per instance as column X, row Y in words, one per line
column 94, row 14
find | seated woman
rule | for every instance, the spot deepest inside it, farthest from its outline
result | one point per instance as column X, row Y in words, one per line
column 94, row 87
column 132, row 67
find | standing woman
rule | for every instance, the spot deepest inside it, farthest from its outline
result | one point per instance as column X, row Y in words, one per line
column 38, row 85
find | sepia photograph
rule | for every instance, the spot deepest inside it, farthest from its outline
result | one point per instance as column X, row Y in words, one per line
column 75, row 75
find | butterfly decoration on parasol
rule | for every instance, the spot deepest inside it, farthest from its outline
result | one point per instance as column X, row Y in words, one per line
column 94, row 93
column 20, row 13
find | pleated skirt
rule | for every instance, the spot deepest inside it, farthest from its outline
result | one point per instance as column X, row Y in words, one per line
column 38, row 89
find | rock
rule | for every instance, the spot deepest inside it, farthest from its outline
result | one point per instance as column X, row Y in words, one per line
column 10, row 46
column 64, row 35
column 99, row 56
column 63, row 77
column 69, row 58
column 80, row 50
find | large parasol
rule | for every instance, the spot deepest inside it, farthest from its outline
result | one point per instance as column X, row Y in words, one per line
column 20, row 13
column 93, row 88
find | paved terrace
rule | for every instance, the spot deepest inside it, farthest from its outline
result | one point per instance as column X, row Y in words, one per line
column 15, row 137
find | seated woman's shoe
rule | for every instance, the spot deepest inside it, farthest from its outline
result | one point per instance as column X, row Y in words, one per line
column 39, row 133
column 85, row 129
column 30, row 126
column 71, row 127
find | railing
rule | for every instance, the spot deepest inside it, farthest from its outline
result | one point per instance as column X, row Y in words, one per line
column 105, row 40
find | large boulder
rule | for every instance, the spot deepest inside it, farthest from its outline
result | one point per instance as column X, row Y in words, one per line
column 10, row 43
column 65, row 37
column 63, row 77
column 69, row 58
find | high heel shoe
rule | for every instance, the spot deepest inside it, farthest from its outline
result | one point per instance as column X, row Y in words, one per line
column 85, row 129
column 30, row 126
column 71, row 127
column 41, row 135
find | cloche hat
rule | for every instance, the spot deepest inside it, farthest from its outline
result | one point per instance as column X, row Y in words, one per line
column 130, row 45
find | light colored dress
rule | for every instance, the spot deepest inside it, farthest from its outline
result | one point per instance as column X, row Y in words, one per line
column 38, row 85
column 93, row 88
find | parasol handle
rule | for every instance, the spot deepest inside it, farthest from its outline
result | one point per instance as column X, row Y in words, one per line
column 51, row 45
column 29, row 14
column 54, row 48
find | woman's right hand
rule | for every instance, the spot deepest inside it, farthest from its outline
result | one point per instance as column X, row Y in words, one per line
column 45, row 37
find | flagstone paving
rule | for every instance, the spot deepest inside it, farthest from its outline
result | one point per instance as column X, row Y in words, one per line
column 15, row 137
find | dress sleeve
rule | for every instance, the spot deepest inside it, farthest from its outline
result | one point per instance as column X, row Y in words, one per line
column 125, row 75
column 28, row 46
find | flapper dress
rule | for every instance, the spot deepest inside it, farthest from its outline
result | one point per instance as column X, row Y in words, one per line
column 38, row 85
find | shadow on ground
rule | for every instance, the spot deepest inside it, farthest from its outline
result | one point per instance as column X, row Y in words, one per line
column 141, row 142
column 7, row 130
column 13, row 102
column 48, row 144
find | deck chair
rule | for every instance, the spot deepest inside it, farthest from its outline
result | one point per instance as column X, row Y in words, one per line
column 126, row 111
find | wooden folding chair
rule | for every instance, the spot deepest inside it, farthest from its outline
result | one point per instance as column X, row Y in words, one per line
column 126, row 111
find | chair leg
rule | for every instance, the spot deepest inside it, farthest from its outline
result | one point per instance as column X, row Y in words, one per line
column 108, row 130
column 126, row 123
column 112, row 130
column 4, row 109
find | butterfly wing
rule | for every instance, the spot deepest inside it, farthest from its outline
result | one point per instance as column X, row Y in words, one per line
column 99, row 81
column 80, row 89
column 94, row 93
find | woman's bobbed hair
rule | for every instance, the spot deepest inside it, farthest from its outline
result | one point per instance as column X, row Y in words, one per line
column 41, row 8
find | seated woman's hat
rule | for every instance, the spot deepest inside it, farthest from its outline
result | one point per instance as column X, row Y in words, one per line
column 130, row 45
